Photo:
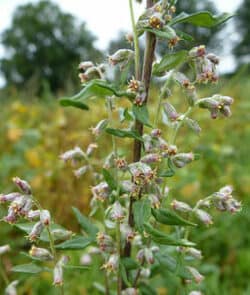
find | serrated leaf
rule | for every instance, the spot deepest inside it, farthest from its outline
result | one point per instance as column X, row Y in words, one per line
column 85, row 223
column 65, row 102
column 124, row 133
column 141, row 114
column 76, row 243
column 201, row 19
column 169, row 217
column 170, row 61
column 165, row 239
column 31, row 268
column 142, row 212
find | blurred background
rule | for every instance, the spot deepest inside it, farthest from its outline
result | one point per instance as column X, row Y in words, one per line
column 42, row 42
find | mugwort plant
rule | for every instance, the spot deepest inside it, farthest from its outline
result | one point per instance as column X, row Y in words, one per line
column 134, row 227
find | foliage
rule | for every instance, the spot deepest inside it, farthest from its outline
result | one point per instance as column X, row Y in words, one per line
column 44, row 44
column 143, row 233
column 241, row 50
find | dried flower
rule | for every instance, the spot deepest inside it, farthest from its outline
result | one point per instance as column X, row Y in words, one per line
column 117, row 212
column 170, row 111
column 155, row 21
column 9, row 197
column 101, row 191
column 151, row 158
column 91, row 147
column 105, row 242
column 58, row 271
column 97, row 130
column 73, row 155
column 81, row 171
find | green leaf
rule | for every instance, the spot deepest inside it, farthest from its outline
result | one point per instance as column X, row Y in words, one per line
column 170, row 61
column 141, row 114
column 109, row 179
column 169, row 217
column 65, row 102
column 164, row 33
column 166, row 168
column 124, row 133
column 75, row 267
column 129, row 263
column 170, row 263
column 146, row 289
column 124, row 274
column 94, row 88
column 201, row 19
column 142, row 212
column 165, row 239
column 76, row 243
column 85, row 223
column 28, row 268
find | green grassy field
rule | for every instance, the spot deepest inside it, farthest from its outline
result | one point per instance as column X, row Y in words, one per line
column 33, row 134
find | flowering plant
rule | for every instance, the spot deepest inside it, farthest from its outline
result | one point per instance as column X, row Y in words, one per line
column 141, row 231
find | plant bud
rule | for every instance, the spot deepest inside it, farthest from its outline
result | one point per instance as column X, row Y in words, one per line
column 121, row 164
column 4, row 249
column 170, row 111
column 194, row 253
column 72, row 155
column 182, row 159
column 195, row 293
column 58, row 275
column 155, row 21
column 149, row 257
column 86, row 260
column 45, row 217
column 198, row 51
column 12, row 216
column 156, row 133
column 11, row 288
column 181, row 206
column 33, row 214
column 40, row 253
column 26, row 207
column 155, row 201
column 98, row 129
column 134, row 85
column 140, row 256
column 130, row 291
column 100, row 191
column 105, row 243
column 90, row 74
column 213, row 58
column 121, row 57
column 22, row 185
column 140, row 98
column 112, row 264
column 81, row 171
column 117, row 212
column 18, row 204
column 172, row 150
column 151, row 158
column 173, row 42
column 195, row 273
column 130, row 38
column 36, row 231
column 84, row 65
column 91, row 148
column 203, row 216
column 9, row 197
column 61, row 234
column 193, row 125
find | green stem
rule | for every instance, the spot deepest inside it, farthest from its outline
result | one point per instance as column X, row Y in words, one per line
column 180, row 123
column 119, row 250
column 136, row 41
column 3, row 274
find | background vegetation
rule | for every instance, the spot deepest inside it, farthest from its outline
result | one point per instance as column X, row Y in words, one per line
column 35, row 130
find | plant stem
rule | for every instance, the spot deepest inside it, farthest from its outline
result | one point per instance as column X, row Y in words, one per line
column 146, row 77
column 136, row 41
column 118, row 237
column 3, row 274
column 180, row 124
